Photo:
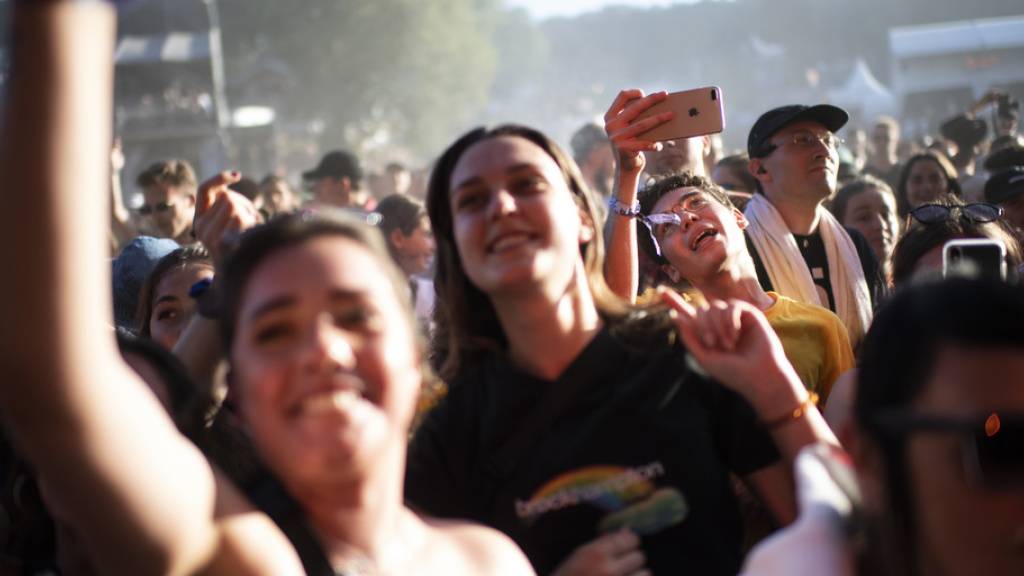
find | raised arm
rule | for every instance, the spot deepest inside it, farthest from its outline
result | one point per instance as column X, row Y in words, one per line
column 735, row 344
column 221, row 215
column 621, row 270
column 141, row 497
column 121, row 225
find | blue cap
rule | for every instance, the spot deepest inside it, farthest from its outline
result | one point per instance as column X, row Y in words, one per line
column 130, row 269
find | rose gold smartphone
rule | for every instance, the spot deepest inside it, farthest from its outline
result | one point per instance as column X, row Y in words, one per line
column 697, row 112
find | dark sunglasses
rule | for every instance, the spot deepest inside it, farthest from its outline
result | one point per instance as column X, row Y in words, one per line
column 978, row 213
column 146, row 209
column 992, row 446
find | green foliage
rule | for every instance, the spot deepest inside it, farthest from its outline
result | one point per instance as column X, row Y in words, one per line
column 374, row 71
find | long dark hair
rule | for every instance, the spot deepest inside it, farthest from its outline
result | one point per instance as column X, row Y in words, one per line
column 919, row 239
column 467, row 323
column 953, row 186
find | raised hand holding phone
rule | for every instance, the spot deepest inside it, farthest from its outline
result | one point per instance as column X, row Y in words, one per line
column 696, row 112
column 626, row 119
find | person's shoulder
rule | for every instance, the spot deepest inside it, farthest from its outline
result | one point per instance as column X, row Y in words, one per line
column 648, row 329
column 460, row 547
column 249, row 542
column 812, row 313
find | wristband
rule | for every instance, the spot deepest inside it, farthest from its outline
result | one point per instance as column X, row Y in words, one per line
column 205, row 293
column 631, row 211
column 795, row 414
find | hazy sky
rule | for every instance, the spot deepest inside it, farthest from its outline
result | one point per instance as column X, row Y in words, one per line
column 547, row 8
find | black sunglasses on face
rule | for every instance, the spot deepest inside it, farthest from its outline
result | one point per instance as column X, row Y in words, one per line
column 146, row 209
column 978, row 213
column 992, row 446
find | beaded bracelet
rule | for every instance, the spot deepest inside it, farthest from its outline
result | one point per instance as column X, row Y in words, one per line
column 795, row 414
column 621, row 209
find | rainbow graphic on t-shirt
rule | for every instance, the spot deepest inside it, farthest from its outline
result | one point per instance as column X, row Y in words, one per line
column 629, row 495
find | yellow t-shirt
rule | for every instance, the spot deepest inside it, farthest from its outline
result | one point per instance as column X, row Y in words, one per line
column 815, row 340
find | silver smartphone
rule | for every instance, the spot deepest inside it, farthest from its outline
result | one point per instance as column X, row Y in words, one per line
column 978, row 258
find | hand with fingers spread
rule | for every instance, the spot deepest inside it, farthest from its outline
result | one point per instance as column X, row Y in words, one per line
column 615, row 554
column 735, row 344
column 624, row 130
column 222, row 213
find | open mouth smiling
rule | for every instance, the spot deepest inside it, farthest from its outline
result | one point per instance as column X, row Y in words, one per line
column 508, row 241
column 702, row 237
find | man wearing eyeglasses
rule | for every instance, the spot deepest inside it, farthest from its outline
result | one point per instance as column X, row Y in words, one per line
column 799, row 249
column 169, row 200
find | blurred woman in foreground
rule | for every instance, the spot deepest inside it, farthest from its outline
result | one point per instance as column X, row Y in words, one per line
column 326, row 362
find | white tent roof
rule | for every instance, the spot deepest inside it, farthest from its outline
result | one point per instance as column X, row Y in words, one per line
column 955, row 37
column 862, row 90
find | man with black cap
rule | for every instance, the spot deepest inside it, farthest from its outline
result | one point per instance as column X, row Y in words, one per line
column 336, row 180
column 1006, row 189
column 799, row 249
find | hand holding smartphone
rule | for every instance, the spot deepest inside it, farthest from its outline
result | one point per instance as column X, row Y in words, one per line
column 696, row 113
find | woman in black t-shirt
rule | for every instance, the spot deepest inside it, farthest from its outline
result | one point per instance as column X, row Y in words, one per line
column 572, row 424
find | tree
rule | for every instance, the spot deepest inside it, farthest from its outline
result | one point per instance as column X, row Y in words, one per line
column 394, row 72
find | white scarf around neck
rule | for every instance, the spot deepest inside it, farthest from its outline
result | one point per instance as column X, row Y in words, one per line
column 789, row 273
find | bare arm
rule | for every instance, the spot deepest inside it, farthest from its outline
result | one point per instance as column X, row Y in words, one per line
column 120, row 218
column 140, row 495
column 621, row 269
column 734, row 343
column 221, row 214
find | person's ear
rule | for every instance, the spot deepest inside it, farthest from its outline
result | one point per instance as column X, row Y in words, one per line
column 587, row 230
column 191, row 199
column 396, row 238
column 345, row 182
column 758, row 170
column 705, row 143
column 672, row 273
column 232, row 395
column 741, row 220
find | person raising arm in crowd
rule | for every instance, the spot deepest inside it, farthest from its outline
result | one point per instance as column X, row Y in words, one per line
column 322, row 350
column 572, row 423
column 691, row 228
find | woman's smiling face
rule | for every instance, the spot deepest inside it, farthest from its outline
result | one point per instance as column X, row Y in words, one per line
column 515, row 222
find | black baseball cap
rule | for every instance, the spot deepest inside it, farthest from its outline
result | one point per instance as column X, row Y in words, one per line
column 1005, row 156
column 1005, row 185
column 831, row 117
column 336, row 164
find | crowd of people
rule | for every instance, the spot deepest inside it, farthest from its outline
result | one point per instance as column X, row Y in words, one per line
column 632, row 357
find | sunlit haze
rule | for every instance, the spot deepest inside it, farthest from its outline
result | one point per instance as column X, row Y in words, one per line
column 541, row 9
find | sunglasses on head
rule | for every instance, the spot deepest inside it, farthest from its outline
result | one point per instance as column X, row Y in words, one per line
column 978, row 213
column 147, row 209
column 991, row 446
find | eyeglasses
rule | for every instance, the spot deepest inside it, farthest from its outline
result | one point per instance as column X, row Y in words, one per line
column 655, row 225
column 990, row 446
column 146, row 209
column 659, row 225
column 978, row 213
column 808, row 139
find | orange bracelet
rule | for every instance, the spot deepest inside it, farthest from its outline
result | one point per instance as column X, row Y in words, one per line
column 795, row 414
